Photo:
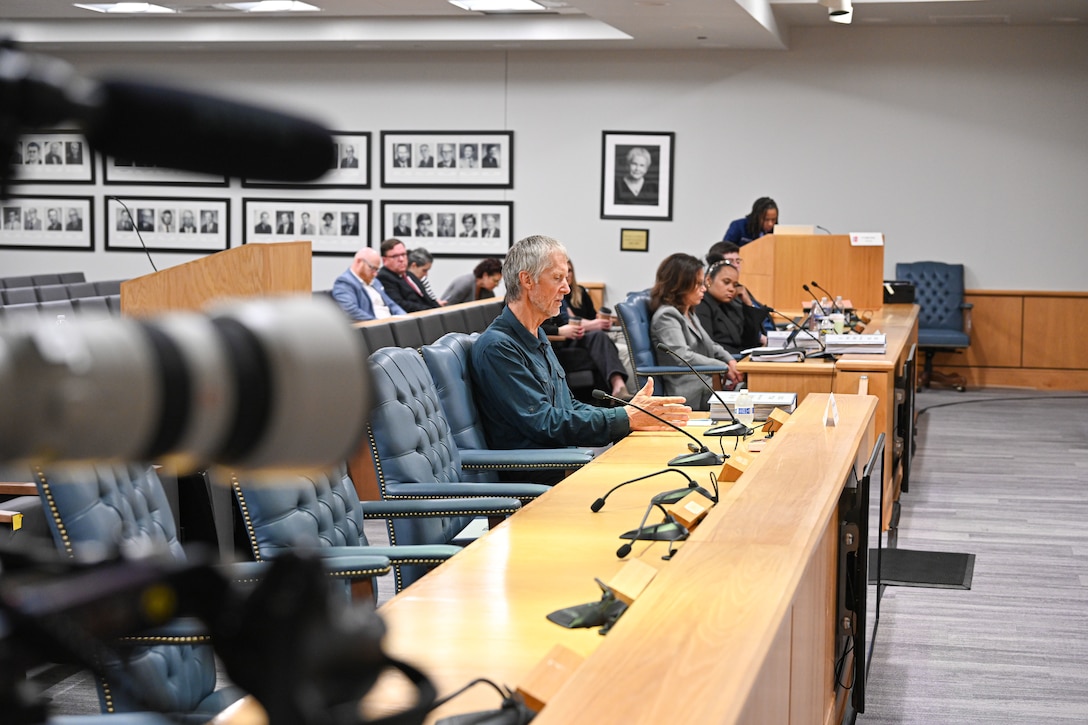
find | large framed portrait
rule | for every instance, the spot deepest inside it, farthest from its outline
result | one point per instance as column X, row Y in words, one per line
column 636, row 175
column 468, row 159
column 349, row 167
column 333, row 226
column 451, row 228
column 47, row 222
column 52, row 157
column 167, row 224
column 125, row 171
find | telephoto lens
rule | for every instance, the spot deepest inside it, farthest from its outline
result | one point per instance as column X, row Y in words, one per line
column 271, row 384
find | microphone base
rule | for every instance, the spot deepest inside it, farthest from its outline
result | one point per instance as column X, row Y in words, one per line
column 730, row 430
column 703, row 458
column 665, row 531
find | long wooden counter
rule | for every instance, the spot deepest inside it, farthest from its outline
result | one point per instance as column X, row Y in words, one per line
column 736, row 628
column 900, row 324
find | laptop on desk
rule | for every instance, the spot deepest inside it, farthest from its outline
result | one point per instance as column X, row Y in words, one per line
column 794, row 229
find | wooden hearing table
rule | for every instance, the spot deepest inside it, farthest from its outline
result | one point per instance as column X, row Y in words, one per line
column 900, row 325
column 737, row 628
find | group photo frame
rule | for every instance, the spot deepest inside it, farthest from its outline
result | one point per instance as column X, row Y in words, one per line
column 124, row 171
column 52, row 157
column 349, row 167
column 637, row 174
column 335, row 227
column 167, row 224
column 451, row 228
column 465, row 159
column 47, row 222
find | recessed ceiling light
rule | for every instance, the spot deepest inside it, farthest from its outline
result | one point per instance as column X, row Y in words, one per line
column 131, row 8
column 272, row 6
column 499, row 6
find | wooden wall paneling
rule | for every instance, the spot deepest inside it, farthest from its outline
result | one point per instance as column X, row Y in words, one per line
column 997, row 334
column 1053, row 336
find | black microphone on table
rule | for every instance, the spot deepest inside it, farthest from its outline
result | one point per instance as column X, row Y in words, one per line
column 668, row 530
column 734, row 429
column 599, row 503
column 829, row 295
column 700, row 455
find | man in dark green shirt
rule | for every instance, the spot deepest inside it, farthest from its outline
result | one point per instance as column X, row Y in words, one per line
column 521, row 389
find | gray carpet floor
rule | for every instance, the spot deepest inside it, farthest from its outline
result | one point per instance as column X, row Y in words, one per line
column 1005, row 479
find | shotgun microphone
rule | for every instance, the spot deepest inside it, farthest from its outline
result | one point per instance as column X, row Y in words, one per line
column 700, row 455
column 734, row 429
column 599, row 503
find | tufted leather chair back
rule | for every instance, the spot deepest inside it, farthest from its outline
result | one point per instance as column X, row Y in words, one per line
column 939, row 292
column 94, row 507
column 634, row 314
column 448, row 359
column 410, row 440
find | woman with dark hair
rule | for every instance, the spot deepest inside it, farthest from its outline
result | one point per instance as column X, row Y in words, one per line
column 730, row 322
column 580, row 340
column 477, row 285
column 760, row 221
column 677, row 291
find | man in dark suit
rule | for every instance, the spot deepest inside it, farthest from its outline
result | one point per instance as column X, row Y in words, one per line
column 262, row 226
column 403, row 156
column 491, row 160
column 349, row 224
column 53, row 220
column 402, row 286
column 446, row 158
column 209, row 222
column 426, row 160
column 491, row 226
column 349, row 161
column 359, row 293
column 403, row 227
column 285, row 222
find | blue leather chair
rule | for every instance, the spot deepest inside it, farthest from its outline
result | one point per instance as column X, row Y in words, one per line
column 323, row 512
column 449, row 359
column 634, row 314
column 410, row 441
column 93, row 510
column 944, row 322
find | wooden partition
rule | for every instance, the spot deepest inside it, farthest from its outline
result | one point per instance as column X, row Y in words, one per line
column 1024, row 339
column 252, row 270
column 776, row 266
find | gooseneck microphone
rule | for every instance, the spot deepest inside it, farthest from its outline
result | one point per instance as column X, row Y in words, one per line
column 599, row 503
column 734, row 429
column 700, row 455
column 829, row 295
column 668, row 530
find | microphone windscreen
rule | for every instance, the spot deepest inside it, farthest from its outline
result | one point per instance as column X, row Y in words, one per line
column 599, row 395
column 597, row 505
column 193, row 132
column 623, row 551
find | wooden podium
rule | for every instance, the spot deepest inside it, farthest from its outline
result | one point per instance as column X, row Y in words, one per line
column 252, row 270
column 777, row 265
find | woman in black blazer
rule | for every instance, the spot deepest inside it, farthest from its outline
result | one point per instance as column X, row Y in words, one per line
column 730, row 322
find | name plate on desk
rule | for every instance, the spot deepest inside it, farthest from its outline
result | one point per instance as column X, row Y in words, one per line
column 866, row 239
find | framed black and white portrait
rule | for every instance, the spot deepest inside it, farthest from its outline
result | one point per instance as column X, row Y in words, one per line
column 126, row 171
column 52, row 157
column 166, row 224
column 334, row 227
column 636, row 175
column 451, row 228
column 47, row 222
column 466, row 159
column 349, row 167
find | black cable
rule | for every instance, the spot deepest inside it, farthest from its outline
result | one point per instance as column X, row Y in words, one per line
column 135, row 228
column 503, row 692
column 1002, row 400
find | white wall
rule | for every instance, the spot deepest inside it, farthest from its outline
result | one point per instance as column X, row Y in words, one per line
column 963, row 145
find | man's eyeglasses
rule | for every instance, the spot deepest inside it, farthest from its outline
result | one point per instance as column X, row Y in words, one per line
column 372, row 267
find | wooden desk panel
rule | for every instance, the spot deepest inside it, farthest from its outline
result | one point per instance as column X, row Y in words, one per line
column 730, row 629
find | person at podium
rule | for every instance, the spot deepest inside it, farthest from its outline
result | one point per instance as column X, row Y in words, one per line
column 678, row 289
column 760, row 221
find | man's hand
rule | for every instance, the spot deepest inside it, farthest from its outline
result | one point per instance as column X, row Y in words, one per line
column 671, row 408
column 571, row 331
column 734, row 374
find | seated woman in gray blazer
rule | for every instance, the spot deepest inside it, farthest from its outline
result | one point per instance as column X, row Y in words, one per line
column 677, row 290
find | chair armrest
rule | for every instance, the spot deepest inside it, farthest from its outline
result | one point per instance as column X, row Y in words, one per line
column 967, row 307
column 20, row 488
column 426, row 554
column 14, row 519
column 183, row 630
column 421, row 506
column 531, row 459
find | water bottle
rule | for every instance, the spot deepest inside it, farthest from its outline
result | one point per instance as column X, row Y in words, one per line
column 745, row 408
